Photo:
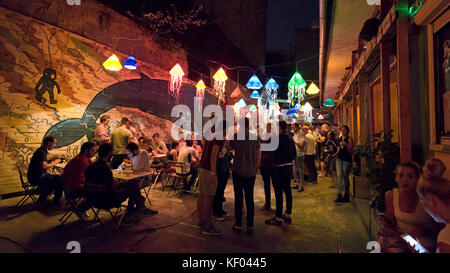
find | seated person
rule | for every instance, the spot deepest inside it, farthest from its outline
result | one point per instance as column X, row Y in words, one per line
column 173, row 153
column 188, row 157
column 434, row 192
column 158, row 146
column 102, row 186
column 198, row 148
column 144, row 143
column 73, row 174
column 139, row 159
column 37, row 172
column 405, row 211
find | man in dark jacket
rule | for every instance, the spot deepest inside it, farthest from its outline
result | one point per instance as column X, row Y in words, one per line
column 284, row 155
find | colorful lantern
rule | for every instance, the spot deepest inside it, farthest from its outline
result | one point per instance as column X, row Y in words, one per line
column 320, row 117
column 253, row 108
column 308, row 119
column 307, row 108
column 254, row 83
column 219, row 84
column 237, row 93
column 176, row 80
column 200, row 89
column 130, row 63
column 329, row 103
column 255, row 95
column 312, row 89
column 296, row 88
column 112, row 63
column 241, row 103
column 272, row 89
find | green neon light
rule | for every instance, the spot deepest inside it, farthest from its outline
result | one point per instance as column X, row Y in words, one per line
column 414, row 8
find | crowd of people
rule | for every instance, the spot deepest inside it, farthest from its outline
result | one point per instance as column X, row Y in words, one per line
column 305, row 152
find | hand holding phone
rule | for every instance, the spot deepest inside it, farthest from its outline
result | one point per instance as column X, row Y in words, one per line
column 414, row 244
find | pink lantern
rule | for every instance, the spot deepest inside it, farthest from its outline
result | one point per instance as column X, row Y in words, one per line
column 176, row 81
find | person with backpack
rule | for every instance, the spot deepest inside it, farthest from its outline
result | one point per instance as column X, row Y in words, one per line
column 284, row 155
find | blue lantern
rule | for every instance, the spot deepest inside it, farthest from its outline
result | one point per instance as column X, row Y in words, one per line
column 254, row 83
column 130, row 63
column 271, row 89
column 255, row 95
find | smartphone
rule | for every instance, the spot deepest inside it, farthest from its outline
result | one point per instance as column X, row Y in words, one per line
column 412, row 242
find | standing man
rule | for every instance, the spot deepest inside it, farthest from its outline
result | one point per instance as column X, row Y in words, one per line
column 299, row 140
column 266, row 170
column 247, row 159
column 310, row 155
column 207, row 181
column 284, row 155
column 101, row 134
column 37, row 172
column 158, row 145
column 121, row 136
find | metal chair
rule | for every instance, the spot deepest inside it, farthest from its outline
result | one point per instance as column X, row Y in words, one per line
column 30, row 190
column 76, row 201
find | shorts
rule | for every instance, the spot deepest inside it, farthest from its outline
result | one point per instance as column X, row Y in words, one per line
column 207, row 183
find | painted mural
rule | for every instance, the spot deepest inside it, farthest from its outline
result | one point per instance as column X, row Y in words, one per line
column 52, row 83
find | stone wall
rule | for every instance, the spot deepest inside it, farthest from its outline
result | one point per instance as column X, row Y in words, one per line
column 31, row 48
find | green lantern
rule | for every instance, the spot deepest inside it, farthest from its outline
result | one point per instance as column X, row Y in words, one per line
column 296, row 88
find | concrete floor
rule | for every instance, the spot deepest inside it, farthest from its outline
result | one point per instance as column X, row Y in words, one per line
column 317, row 226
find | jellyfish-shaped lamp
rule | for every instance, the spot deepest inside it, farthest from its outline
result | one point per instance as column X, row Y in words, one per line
column 254, row 83
column 112, row 63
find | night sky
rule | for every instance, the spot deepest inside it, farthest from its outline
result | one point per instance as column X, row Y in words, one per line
column 284, row 16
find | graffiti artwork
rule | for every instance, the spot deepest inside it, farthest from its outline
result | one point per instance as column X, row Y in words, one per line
column 46, row 84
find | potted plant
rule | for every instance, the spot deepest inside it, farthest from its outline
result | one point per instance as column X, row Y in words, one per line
column 381, row 157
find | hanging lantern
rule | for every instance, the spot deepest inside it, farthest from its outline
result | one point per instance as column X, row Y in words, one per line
column 272, row 89
column 219, row 84
column 320, row 117
column 112, row 63
column 130, row 63
column 307, row 108
column 296, row 88
column 176, row 80
column 329, row 103
column 242, row 103
column 253, row 108
column 312, row 89
column 298, row 106
column 254, row 83
column 200, row 89
column 237, row 93
column 255, row 95
column 294, row 116
column 308, row 119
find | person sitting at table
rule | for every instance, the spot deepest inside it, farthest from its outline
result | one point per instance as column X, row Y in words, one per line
column 197, row 146
column 188, row 158
column 102, row 186
column 101, row 134
column 37, row 172
column 158, row 146
column 139, row 159
column 144, row 143
column 73, row 174
column 173, row 153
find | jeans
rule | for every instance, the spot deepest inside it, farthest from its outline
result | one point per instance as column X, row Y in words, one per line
column 131, row 191
column 298, row 174
column 310, row 163
column 244, row 185
column 222, row 179
column 267, row 173
column 49, row 183
column 282, row 183
column 343, row 173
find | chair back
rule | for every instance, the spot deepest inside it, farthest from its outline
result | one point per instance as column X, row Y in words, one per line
column 22, row 181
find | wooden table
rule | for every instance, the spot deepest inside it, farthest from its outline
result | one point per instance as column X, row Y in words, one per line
column 121, row 175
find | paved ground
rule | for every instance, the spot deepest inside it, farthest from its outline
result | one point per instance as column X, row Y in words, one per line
column 317, row 226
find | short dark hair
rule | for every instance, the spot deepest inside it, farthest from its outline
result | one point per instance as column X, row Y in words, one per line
column 104, row 118
column 132, row 146
column 104, row 150
column 189, row 143
column 86, row 146
column 283, row 125
column 346, row 127
column 155, row 135
column 48, row 139
column 174, row 145
column 124, row 121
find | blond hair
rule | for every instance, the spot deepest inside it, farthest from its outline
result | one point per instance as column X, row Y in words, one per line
column 433, row 182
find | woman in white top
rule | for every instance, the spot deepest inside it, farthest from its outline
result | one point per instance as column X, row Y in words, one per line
column 434, row 192
column 404, row 209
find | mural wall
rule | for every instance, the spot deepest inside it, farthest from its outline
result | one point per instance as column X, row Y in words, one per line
column 52, row 82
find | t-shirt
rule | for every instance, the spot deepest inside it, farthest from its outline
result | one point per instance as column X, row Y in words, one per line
column 444, row 236
column 141, row 162
column 35, row 169
column 299, row 137
column 183, row 157
column 245, row 155
column 101, row 133
column 99, row 173
column 205, row 162
column 285, row 152
column 120, row 137
column 73, row 174
column 158, row 145
column 344, row 154
column 310, row 145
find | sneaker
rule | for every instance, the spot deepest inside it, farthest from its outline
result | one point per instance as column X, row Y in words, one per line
column 274, row 222
column 339, row 199
column 346, row 198
column 217, row 217
column 237, row 229
column 287, row 219
column 211, row 231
